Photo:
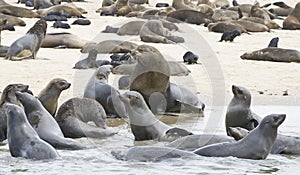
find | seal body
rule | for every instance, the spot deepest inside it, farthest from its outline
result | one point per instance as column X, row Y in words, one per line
column 44, row 124
column 144, row 124
column 22, row 138
column 50, row 94
column 230, row 35
column 238, row 111
column 150, row 153
column 31, row 41
column 73, row 115
column 256, row 145
column 97, row 88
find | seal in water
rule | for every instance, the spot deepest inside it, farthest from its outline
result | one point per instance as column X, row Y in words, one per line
column 49, row 96
column 256, row 145
column 238, row 112
column 144, row 124
column 44, row 124
column 73, row 115
column 22, row 138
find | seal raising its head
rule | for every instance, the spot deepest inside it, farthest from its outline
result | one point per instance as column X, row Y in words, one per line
column 256, row 145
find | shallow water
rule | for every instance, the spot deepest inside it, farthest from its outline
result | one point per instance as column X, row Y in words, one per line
column 99, row 160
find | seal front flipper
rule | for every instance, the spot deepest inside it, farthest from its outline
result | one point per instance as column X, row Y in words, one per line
column 190, row 107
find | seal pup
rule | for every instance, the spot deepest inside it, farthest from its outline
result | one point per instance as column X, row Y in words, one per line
column 282, row 10
column 73, row 115
column 31, row 41
column 22, row 138
column 50, row 94
column 89, row 62
column 193, row 142
column 256, row 145
column 59, row 24
column 190, row 58
column 238, row 112
column 292, row 21
column 144, row 125
column 150, row 154
column 98, row 88
column 81, row 22
column 230, row 35
column 283, row 144
column 274, row 42
column 44, row 124
column 273, row 54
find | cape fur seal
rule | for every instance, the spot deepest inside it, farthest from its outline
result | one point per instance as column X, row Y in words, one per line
column 144, row 124
column 150, row 153
column 69, row 9
column 190, row 58
column 154, row 31
column 44, row 124
column 8, row 94
column 73, row 115
column 63, row 40
column 189, row 16
column 15, row 21
column 273, row 54
column 110, row 46
column 31, row 41
column 283, row 144
column 224, row 26
column 50, row 94
column 292, row 21
column 256, row 145
column 193, row 142
column 18, row 11
column 230, row 35
column 98, row 88
column 274, row 42
column 89, row 62
column 238, row 112
column 22, row 138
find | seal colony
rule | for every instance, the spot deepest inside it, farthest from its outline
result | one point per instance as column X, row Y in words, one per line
column 34, row 125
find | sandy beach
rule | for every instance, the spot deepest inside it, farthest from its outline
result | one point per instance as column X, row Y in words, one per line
column 270, row 78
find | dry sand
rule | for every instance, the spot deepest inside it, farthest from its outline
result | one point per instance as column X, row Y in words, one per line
column 269, row 77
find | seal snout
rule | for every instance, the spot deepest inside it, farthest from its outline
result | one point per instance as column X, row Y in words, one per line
column 279, row 119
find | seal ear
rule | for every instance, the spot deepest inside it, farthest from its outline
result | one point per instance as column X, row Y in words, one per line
column 254, row 122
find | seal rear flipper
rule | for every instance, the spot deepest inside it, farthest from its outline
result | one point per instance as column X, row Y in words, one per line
column 66, row 144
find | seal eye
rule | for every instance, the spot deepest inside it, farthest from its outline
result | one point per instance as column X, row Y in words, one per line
column 62, row 83
column 239, row 91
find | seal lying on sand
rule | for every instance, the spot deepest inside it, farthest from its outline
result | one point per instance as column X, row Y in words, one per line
column 98, row 88
column 49, row 96
column 238, row 112
column 18, row 11
column 256, row 145
column 31, row 41
column 73, row 115
column 110, row 46
column 154, row 31
column 273, row 54
column 283, row 144
column 189, row 16
column 144, row 124
column 63, row 40
column 22, row 138
column 44, row 124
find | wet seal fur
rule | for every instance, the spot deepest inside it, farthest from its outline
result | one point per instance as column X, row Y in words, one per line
column 256, row 145
column 22, row 138
column 144, row 124
column 50, row 94
column 44, row 124
column 238, row 112
column 31, row 41
column 73, row 115
column 283, row 144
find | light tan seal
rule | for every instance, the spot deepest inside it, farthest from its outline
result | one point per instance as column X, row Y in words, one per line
column 18, row 11
column 50, row 94
column 110, row 46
